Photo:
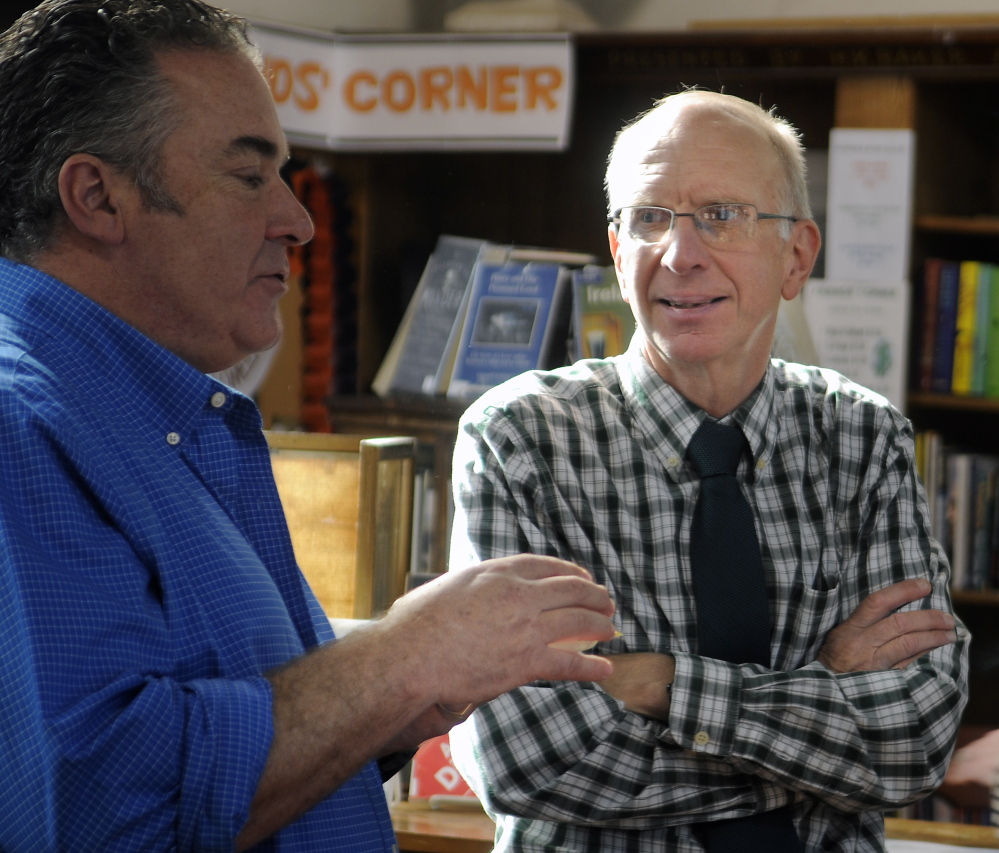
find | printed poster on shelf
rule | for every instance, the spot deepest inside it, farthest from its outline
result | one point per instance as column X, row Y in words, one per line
column 869, row 207
column 861, row 330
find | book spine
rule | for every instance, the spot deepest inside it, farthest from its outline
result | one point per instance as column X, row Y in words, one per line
column 992, row 347
column 964, row 336
column 982, row 321
column 959, row 494
column 931, row 291
column 943, row 355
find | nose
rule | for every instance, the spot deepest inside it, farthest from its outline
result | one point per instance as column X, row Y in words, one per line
column 290, row 222
column 682, row 248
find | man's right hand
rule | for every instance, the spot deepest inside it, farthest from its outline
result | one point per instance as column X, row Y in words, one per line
column 481, row 631
column 876, row 637
column 457, row 641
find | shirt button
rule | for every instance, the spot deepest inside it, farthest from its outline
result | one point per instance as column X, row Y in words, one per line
column 218, row 400
column 673, row 461
column 172, row 438
column 761, row 463
column 702, row 738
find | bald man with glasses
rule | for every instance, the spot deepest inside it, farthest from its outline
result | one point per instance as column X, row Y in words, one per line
column 789, row 666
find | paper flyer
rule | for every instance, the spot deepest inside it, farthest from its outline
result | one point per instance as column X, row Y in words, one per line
column 861, row 329
column 869, row 204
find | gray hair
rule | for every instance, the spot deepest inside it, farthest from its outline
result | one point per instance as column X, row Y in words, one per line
column 633, row 141
column 81, row 76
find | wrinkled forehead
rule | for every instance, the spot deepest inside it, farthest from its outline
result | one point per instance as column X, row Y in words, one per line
column 721, row 140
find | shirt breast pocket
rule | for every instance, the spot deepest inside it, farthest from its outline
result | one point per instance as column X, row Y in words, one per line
column 810, row 615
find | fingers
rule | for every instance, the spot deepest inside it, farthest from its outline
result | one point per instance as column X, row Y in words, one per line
column 893, row 642
column 576, row 623
column 535, row 567
column 573, row 666
column 880, row 604
column 907, row 649
column 562, row 592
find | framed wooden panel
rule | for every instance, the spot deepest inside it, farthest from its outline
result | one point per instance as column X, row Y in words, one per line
column 348, row 502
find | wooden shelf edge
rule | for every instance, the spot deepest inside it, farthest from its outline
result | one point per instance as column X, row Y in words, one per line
column 962, row 835
column 975, row 596
column 927, row 400
column 987, row 226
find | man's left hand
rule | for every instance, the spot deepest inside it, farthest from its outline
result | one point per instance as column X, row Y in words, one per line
column 875, row 637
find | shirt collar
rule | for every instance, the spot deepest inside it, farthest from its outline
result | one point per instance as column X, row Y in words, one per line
column 669, row 420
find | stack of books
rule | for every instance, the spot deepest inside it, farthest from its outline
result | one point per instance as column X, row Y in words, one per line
column 959, row 329
column 484, row 312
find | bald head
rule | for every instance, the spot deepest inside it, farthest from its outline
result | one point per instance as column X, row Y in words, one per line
column 764, row 133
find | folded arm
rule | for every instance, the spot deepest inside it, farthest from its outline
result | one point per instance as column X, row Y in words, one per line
column 724, row 736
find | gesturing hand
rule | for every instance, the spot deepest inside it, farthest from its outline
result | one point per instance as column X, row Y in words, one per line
column 483, row 630
column 876, row 637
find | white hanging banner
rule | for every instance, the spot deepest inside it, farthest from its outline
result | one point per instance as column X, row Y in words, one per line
column 429, row 92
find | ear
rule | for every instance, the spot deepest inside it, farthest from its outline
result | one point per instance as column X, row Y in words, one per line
column 615, row 250
column 804, row 248
column 89, row 189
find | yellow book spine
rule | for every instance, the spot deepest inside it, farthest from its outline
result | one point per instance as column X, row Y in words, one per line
column 964, row 339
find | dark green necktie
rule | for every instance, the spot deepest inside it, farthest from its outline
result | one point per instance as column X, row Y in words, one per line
column 733, row 614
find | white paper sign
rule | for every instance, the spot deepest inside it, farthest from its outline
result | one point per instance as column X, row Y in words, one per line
column 420, row 92
column 861, row 330
column 869, row 204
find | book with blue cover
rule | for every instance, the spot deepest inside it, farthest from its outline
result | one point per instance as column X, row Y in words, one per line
column 517, row 320
column 943, row 350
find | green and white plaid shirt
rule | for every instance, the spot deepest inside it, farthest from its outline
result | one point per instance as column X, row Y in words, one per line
column 587, row 463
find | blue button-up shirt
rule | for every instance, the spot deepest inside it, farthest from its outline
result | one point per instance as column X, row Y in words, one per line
column 147, row 581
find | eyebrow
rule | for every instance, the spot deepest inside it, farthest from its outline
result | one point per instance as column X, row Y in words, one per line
column 255, row 144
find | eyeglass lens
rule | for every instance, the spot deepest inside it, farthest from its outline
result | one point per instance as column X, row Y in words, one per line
column 717, row 223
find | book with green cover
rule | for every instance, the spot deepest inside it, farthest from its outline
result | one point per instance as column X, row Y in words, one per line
column 603, row 322
column 982, row 310
column 964, row 339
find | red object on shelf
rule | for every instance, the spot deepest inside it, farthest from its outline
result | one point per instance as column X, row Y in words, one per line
column 434, row 773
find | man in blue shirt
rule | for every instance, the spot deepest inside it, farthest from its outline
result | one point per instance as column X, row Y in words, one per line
column 168, row 683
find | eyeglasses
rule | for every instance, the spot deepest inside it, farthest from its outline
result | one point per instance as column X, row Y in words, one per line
column 718, row 224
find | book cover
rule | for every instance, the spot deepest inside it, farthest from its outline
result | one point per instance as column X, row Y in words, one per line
column 928, row 332
column 516, row 321
column 964, row 328
column 414, row 360
column 983, row 302
column 943, row 353
column 602, row 321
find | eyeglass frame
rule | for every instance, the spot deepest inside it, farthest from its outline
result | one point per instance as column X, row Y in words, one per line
column 614, row 217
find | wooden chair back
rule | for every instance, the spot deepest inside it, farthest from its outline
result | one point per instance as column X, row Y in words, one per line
column 349, row 505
